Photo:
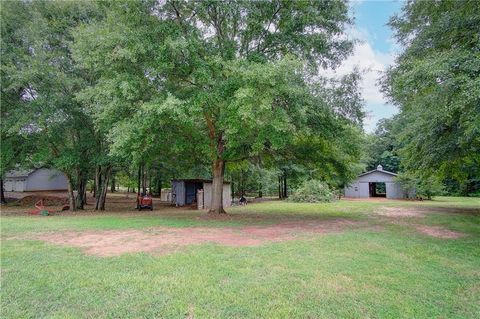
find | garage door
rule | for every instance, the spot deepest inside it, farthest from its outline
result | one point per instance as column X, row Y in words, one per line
column 19, row 186
column 9, row 185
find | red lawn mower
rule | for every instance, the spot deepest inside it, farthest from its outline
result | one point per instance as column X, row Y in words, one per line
column 144, row 202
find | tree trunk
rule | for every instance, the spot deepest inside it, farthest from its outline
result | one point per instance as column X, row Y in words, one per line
column 82, row 184
column 139, row 179
column 101, row 199
column 280, row 187
column 2, row 193
column 71, row 196
column 216, row 206
column 112, row 187
column 260, row 193
column 144, row 180
column 285, row 195
column 150, row 183
column 159, row 187
column 104, row 189
column 242, row 183
column 98, row 177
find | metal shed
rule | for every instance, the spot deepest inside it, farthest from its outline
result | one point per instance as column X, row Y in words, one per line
column 375, row 183
column 186, row 191
column 41, row 179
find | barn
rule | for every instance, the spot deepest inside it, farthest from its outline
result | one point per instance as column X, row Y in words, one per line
column 375, row 183
column 41, row 179
column 199, row 191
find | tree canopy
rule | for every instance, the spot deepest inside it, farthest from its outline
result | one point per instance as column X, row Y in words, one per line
column 436, row 84
column 226, row 81
column 233, row 89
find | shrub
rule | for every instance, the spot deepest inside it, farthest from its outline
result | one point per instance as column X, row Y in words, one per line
column 312, row 191
column 421, row 187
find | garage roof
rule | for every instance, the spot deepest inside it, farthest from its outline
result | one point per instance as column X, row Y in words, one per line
column 18, row 173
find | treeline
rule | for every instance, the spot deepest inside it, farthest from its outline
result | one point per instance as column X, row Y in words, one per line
column 178, row 89
column 232, row 90
column 435, row 82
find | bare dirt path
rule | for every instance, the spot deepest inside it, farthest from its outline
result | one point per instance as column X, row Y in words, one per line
column 261, row 229
column 398, row 215
column 162, row 240
column 439, row 232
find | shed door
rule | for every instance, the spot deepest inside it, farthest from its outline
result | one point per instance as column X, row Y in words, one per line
column 191, row 192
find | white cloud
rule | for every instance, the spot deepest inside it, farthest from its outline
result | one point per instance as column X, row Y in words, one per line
column 372, row 63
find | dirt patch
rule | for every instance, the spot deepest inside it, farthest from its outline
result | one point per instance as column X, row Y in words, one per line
column 400, row 212
column 439, row 232
column 47, row 200
column 473, row 211
column 161, row 240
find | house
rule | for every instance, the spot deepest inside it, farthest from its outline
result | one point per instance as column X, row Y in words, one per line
column 197, row 191
column 41, row 179
column 375, row 183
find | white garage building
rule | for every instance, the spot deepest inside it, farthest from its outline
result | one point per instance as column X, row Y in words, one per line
column 375, row 183
column 41, row 179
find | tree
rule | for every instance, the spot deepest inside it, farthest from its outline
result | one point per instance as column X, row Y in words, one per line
column 436, row 84
column 422, row 187
column 382, row 148
column 234, row 71
column 39, row 83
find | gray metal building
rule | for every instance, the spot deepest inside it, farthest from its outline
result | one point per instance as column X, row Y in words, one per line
column 375, row 183
column 186, row 191
column 41, row 179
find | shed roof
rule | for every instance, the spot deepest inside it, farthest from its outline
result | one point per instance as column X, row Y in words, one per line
column 378, row 169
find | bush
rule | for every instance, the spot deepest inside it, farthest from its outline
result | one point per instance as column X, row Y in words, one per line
column 312, row 191
column 423, row 187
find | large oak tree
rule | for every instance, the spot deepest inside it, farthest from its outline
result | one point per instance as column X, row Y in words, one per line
column 240, row 72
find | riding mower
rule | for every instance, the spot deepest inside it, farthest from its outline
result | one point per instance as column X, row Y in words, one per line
column 144, row 201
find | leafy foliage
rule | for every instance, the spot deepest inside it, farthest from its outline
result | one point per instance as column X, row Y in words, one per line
column 421, row 187
column 218, row 82
column 382, row 147
column 436, row 84
column 313, row 191
column 39, row 85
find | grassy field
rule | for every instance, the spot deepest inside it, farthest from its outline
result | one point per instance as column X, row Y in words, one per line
column 383, row 267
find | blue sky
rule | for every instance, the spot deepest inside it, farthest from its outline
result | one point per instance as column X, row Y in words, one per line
column 373, row 17
column 373, row 55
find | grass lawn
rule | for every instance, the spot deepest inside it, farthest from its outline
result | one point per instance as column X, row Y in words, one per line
column 400, row 260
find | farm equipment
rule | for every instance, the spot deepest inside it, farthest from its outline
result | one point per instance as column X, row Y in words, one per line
column 144, row 202
column 41, row 209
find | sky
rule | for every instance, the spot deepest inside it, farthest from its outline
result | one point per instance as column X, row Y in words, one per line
column 375, row 52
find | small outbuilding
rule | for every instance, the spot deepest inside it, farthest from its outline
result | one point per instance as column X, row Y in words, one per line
column 197, row 191
column 41, row 179
column 375, row 183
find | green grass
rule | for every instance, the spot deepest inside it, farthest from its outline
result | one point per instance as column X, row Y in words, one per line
column 392, row 272
column 14, row 225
